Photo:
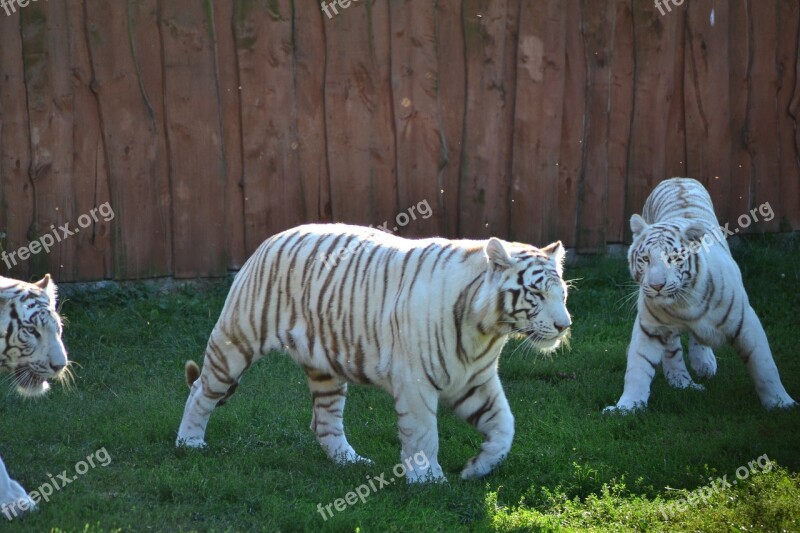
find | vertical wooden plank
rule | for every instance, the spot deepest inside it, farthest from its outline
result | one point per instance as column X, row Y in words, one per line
column 415, row 76
column 675, row 138
column 597, row 27
column 144, row 20
column 308, row 110
column 538, row 119
column 762, row 136
column 130, row 137
column 657, row 40
column 739, row 39
column 227, row 81
column 50, row 112
column 707, row 97
column 272, row 196
column 491, row 34
column 620, row 121
column 358, row 121
column 451, row 101
column 788, row 101
column 93, row 253
column 194, row 139
column 571, row 146
column 16, row 190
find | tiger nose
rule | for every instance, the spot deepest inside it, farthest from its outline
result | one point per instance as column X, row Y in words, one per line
column 656, row 286
column 562, row 327
column 56, row 368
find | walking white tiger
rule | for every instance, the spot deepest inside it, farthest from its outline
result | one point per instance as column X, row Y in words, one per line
column 689, row 283
column 423, row 319
column 32, row 351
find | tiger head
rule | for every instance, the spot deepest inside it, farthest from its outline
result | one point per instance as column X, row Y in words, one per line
column 532, row 293
column 30, row 334
column 664, row 257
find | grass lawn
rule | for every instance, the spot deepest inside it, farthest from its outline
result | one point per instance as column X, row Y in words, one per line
column 570, row 466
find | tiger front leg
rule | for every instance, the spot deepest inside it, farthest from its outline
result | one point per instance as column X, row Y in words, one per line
column 674, row 366
column 416, row 421
column 14, row 501
column 753, row 349
column 644, row 353
column 486, row 408
column 702, row 358
column 327, row 422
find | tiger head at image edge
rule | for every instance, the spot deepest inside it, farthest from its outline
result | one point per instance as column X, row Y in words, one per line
column 31, row 349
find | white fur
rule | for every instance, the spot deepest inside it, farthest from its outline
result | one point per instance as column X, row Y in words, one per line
column 33, row 306
column 713, row 311
column 418, row 318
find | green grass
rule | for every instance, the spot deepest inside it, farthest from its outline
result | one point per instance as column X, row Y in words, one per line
column 570, row 467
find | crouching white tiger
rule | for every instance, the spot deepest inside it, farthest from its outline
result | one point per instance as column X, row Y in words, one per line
column 689, row 283
column 423, row 319
column 32, row 351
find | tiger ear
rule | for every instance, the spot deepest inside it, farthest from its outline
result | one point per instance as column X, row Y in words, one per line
column 497, row 254
column 556, row 253
column 49, row 286
column 695, row 232
column 638, row 224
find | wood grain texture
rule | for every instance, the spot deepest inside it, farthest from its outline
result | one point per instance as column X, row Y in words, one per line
column 209, row 126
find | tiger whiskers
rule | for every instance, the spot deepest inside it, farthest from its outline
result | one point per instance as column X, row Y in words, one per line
column 628, row 301
column 529, row 341
column 10, row 382
column 67, row 376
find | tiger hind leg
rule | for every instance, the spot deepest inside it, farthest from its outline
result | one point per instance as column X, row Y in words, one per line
column 486, row 409
column 327, row 418
column 702, row 358
column 224, row 363
column 753, row 348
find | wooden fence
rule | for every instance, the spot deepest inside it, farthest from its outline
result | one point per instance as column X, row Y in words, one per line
column 209, row 125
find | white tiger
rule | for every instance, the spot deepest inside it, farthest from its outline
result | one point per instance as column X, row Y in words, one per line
column 32, row 351
column 423, row 319
column 689, row 283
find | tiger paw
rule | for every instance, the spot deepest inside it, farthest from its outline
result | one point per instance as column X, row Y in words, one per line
column 624, row 408
column 686, row 384
column 682, row 381
column 17, row 504
column 190, row 442
column 476, row 469
column 429, row 475
column 703, row 361
column 780, row 402
column 349, row 457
